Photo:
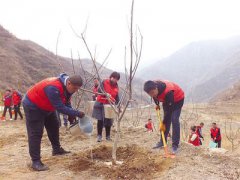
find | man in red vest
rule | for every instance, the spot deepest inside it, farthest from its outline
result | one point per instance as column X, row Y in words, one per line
column 40, row 104
column 172, row 98
column 199, row 132
column 216, row 134
column 7, row 99
column 17, row 97
column 109, row 86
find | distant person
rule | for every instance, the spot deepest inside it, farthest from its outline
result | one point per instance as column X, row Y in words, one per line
column 7, row 99
column 149, row 125
column 17, row 98
column 216, row 134
column 194, row 138
column 172, row 98
column 40, row 104
column 109, row 86
column 199, row 132
column 95, row 88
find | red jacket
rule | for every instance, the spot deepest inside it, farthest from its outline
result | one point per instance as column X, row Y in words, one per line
column 7, row 99
column 195, row 142
column 37, row 95
column 108, row 88
column 149, row 126
column 95, row 90
column 170, row 86
column 215, row 133
column 16, row 97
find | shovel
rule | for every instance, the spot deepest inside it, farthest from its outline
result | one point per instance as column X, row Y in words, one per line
column 167, row 154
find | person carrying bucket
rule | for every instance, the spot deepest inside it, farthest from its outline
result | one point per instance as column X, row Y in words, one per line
column 172, row 98
column 40, row 104
column 109, row 86
column 216, row 135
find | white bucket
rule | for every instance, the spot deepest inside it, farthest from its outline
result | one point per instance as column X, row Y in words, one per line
column 89, row 107
column 109, row 111
column 84, row 126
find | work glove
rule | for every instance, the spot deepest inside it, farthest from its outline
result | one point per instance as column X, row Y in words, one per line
column 81, row 114
column 157, row 107
column 162, row 127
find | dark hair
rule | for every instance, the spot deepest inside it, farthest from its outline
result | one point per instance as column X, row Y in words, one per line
column 149, row 119
column 201, row 123
column 115, row 75
column 149, row 85
column 214, row 123
column 193, row 128
column 8, row 90
column 76, row 80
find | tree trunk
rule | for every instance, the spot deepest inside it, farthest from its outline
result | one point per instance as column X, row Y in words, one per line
column 116, row 139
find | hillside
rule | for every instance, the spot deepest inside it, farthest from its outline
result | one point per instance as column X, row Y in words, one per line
column 201, row 68
column 23, row 63
column 230, row 95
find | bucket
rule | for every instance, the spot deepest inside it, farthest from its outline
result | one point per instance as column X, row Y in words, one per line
column 89, row 107
column 212, row 144
column 109, row 111
column 83, row 126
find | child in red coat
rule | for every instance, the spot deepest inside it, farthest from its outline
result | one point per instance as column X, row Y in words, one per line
column 194, row 137
column 7, row 99
column 149, row 125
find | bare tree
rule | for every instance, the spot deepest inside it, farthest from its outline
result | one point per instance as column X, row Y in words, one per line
column 126, row 97
column 231, row 135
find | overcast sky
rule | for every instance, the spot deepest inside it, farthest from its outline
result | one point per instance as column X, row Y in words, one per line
column 166, row 25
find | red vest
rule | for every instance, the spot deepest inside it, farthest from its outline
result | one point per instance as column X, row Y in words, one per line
column 196, row 142
column 170, row 86
column 198, row 129
column 37, row 95
column 95, row 89
column 149, row 126
column 108, row 88
column 214, row 133
column 7, row 100
column 16, row 98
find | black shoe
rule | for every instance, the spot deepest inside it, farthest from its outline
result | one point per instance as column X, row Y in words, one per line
column 158, row 145
column 99, row 138
column 39, row 166
column 108, row 138
column 60, row 151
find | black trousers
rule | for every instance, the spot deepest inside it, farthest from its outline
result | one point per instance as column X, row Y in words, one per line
column 5, row 110
column 218, row 143
column 36, row 119
column 17, row 111
column 107, row 123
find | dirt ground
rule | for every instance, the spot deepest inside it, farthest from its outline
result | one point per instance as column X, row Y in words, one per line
column 91, row 160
